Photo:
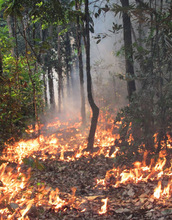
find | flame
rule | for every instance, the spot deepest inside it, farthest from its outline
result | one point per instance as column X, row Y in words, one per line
column 140, row 173
column 14, row 181
column 66, row 141
column 157, row 192
column 55, row 200
column 104, row 140
column 104, row 206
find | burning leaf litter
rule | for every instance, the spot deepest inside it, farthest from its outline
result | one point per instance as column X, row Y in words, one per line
column 50, row 177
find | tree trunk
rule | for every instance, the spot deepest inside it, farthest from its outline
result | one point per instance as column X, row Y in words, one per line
column 81, row 72
column 45, row 88
column 128, row 50
column 50, row 73
column 59, row 72
column 67, row 60
column 94, row 108
column 43, row 34
column 51, row 88
column 59, row 92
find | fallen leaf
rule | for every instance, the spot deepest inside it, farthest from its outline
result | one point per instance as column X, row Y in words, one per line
column 167, row 212
column 122, row 210
column 131, row 192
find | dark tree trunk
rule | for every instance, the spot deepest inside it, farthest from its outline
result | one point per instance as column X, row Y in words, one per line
column 128, row 50
column 50, row 74
column 81, row 72
column 94, row 108
column 60, row 77
column 59, row 92
column 45, row 88
column 67, row 60
column 43, row 35
column 51, row 88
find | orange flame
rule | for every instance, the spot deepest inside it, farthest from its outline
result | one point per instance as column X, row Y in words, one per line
column 104, row 206
column 157, row 191
column 62, row 145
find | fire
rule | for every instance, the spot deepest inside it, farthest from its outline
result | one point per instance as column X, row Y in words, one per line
column 140, row 173
column 157, row 192
column 104, row 206
column 15, row 186
column 13, row 183
column 166, row 191
column 66, row 142
column 35, row 130
column 55, row 200
column 23, row 149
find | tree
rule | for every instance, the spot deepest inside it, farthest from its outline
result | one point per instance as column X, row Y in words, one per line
column 81, row 72
column 148, row 117
column 50, row 70
column 94, row 108
column 60, row 73
column 128, row 50
column 20, row 87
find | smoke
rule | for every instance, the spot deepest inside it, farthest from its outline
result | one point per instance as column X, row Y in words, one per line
column 106, row 66
column 108, row 89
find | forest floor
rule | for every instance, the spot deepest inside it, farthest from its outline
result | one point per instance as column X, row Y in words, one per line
column 129, row 201
column 78, row 194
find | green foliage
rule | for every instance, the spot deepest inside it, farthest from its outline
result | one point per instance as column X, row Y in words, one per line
column 1, row 3
column 16, row 95
column 14, row 8
column 34, row 163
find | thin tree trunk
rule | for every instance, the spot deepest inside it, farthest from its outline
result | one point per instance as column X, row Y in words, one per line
column 16, row 39
column 128, row 50
column 51, row 88
column 94, row 108
column 43, row 34
column 59, row 93
column 152, row 40
column 81, row 72
column 59, row 72
column 68, row 58
column 45, row 88
column 50, row 75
